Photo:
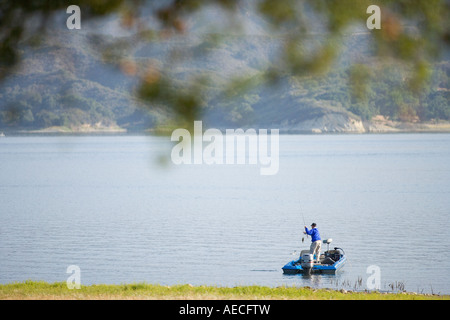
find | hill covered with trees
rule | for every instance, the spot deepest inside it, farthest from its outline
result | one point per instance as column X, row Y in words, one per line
column 81, row 80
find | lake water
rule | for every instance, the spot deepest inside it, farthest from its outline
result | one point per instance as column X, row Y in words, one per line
column 113, row 207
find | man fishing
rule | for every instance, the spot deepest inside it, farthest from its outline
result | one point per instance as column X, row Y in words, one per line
column 316, row 241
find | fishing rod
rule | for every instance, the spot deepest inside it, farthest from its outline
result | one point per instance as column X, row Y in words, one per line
column 304, row 223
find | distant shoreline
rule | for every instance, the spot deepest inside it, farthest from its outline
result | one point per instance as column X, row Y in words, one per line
column 379, row 126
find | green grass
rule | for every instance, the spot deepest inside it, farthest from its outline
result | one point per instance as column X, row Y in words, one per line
column 36, row 290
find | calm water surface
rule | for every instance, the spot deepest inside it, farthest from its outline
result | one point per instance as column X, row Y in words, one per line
column 109, row 205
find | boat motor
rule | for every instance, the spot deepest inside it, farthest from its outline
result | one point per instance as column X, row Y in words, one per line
column 307, row 261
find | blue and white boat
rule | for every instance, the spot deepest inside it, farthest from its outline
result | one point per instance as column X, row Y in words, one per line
column 331, row 261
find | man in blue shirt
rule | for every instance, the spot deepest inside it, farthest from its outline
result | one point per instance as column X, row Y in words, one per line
column 316, row 241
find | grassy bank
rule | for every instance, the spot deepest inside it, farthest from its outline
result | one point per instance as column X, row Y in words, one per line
column 54, row 291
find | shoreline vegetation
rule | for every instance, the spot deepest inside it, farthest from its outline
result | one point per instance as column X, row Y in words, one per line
column 40, row 290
